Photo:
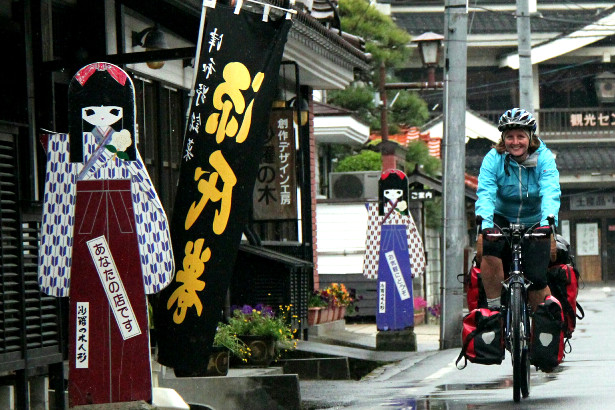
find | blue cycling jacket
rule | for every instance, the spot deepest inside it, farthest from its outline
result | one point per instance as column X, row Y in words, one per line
column 527, row 193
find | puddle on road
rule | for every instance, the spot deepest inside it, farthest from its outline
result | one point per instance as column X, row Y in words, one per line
column 498, row 384
column 449, row 400
column 432, row 404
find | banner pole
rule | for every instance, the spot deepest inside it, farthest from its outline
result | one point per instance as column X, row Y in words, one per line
column 199, row 44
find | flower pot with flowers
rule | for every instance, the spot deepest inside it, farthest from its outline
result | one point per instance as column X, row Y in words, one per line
column 316, row 304
column 341, row 299
column 263, row 332
column 434, row 313
column 419, row 310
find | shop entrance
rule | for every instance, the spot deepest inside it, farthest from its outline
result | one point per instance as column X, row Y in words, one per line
column 610, row 249
column 587, row 247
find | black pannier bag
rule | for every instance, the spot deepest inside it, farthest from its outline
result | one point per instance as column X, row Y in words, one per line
column 547, row 337
column 483, row 337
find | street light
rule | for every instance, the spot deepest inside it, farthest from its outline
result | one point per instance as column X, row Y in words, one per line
column 429, row 48
column 152, row 38
column 605, row 87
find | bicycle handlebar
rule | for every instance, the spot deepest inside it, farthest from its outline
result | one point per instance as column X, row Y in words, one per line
column 505, row 231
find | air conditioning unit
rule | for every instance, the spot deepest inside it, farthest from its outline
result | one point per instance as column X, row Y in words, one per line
column 359, row 185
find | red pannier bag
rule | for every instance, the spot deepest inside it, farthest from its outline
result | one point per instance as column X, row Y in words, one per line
column 483, row 337
column 547, row 337
column 563, row 281
column 475, row 293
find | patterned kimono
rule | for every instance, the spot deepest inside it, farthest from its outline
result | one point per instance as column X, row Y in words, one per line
column 152, row 228
column 393, row 255
column 106, row 243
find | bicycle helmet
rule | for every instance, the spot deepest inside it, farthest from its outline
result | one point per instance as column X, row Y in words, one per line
column 517, row 118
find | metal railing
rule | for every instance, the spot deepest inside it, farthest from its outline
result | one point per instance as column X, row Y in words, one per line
column 570, row 123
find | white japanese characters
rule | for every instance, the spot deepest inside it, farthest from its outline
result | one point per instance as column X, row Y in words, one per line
column 400, row 283
column 114, row 288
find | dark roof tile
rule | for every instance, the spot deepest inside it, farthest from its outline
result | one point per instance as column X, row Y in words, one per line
column 570, row 158
column 499, row 22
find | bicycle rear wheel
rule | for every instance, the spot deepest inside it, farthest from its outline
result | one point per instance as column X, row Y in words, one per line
column 520, row 372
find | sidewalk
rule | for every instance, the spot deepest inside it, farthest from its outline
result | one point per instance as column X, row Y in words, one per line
column 358, row 341
column 363, row 335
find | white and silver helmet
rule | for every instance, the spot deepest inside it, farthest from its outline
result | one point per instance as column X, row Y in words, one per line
column 517, row 118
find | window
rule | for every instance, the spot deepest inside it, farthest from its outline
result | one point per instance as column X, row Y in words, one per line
column 160, row 124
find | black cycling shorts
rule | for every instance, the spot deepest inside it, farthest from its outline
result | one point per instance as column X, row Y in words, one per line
column 535, row 253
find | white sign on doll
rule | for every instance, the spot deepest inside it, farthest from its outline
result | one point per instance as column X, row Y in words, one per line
column 400, row 283
column 82, row 337
column 382, row 298
column 114, row 288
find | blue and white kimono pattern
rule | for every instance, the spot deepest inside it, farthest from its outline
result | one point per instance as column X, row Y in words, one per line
column 55, row 252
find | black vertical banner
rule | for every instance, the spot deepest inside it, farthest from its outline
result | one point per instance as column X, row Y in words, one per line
column 227, row 126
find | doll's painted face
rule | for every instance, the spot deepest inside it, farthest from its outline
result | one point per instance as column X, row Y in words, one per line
column 102, row 116
column 392, row 194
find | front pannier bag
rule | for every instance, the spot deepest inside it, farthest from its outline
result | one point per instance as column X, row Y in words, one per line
column 547, row 338
column 483, row 337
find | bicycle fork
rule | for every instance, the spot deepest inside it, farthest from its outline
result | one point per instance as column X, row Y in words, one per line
column 516, row 280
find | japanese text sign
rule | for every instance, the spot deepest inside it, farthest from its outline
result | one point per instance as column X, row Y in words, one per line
column 114, row 287
column 227, row 126
column 83, row 335
column 275, row 190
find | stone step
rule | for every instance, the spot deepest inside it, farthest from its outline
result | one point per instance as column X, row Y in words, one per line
column 322, row 368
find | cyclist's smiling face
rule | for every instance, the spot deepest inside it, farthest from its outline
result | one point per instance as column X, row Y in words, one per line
column 517, row 143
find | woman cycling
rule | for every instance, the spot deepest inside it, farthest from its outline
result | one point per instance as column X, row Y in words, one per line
column 518, row 183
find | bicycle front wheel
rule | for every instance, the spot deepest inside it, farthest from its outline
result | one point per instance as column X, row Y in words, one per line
column 518, row 348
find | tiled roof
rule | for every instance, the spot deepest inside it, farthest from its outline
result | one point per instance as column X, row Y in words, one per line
column 408, row 135
column 578, row 159
column 328, row 109
column 499, row 22
column 570, row 158
column 476, row 149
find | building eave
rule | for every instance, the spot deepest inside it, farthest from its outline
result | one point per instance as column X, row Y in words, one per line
column 337, row 129
column 325, row 64
column 596, row 31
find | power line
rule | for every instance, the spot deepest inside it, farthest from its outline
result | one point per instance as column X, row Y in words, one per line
column 542, row 17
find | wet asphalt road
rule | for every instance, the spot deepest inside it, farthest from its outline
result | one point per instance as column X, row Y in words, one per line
column 429, row 380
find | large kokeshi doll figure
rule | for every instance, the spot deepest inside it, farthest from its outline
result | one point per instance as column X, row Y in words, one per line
column 105, row 239
column 394, row 252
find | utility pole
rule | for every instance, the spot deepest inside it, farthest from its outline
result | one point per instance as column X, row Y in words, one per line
column 455, row 63
column 524, row 48
column 387, row 149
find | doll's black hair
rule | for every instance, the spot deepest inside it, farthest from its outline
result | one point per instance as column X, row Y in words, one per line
column 100, row 89
column 392, row 179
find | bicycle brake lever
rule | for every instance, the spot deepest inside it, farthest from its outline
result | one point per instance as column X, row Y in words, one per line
column 551, row 220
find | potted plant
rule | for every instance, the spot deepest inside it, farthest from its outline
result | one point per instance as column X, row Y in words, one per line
column 265, row 333
column 341, row 298
column 419, row 310
column 316, row 303
column 434, row 312
column 226, row 337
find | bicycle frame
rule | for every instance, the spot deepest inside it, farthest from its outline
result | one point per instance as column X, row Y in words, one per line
column 517, row 313
column 517, row 278
column 516, row 309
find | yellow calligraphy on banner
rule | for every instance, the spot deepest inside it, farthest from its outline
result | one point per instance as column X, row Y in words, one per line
column 193, row 267
column 224, row 124
column 207, row 187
